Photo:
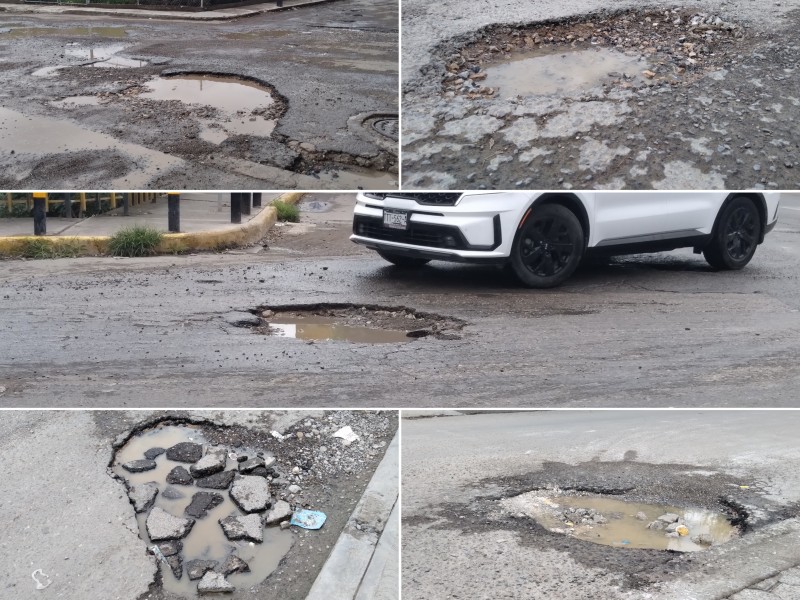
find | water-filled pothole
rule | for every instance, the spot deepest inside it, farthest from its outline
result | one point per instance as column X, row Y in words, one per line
column 243, row 107
column 357, row 324
column 559, row 72
column 623, row 524
column 211, row 514
column 106, row 32
column 572, row 56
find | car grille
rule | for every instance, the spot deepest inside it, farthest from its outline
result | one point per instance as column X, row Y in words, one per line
column 431, row 236
column 432, row 199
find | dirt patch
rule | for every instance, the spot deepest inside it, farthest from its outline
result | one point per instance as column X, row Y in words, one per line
column 741, row 504
column 356, row 323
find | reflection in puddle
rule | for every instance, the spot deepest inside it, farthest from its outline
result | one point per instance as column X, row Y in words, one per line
column 326, row 328
column 623, row 524
column 235, row 99
column 118, row 62
column 107, row 32
column 528, row 73
column 206, row 541
column 103, row 52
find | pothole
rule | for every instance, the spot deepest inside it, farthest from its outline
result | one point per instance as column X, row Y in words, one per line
column 352, row 323
column 559, row 72
column 215, row 515
column 243, row 107
column 34, row 32
column 623, row 524
column 577, row 56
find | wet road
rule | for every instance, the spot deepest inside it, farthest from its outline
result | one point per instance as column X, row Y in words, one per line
column 646, row 331
column 689, row 457
column 328, row 67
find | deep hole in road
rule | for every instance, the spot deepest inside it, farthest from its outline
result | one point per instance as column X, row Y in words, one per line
column 370, row 324
column 628, row 49
column 620, row 523
column 561, row 494
column 210, row 513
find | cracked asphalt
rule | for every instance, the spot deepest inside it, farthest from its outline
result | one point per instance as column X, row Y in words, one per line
column 457, row 543
column 330, row 66
column 727, row 122
column 656, row 330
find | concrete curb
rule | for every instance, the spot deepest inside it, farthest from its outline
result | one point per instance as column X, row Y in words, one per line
column 740, row 565
column 204, row 16
column 80, row 245
column 357, row 564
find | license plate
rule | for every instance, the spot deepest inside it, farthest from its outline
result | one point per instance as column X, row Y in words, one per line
column 395, row 219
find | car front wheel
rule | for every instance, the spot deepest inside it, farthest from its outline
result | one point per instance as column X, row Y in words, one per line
column 548, row 248
column 403, row 261
column 736, row 238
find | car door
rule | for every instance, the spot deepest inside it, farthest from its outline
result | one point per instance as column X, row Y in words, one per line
column 628, row 217
column 693, row 213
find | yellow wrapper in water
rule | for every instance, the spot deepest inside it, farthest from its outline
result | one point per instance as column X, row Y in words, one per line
column 682, row 530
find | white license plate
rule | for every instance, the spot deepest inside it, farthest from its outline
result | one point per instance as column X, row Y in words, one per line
column 395, row 219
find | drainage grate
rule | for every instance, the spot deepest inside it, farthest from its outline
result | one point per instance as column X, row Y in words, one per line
column 388, row 127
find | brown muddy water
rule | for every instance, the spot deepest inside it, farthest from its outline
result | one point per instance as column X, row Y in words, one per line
column 561, row 71
column 106, row 32
column 233, row 98
column 206, row 540
column 326, row 329
column 623, row 529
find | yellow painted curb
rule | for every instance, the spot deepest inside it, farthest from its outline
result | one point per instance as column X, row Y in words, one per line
column 76, row 245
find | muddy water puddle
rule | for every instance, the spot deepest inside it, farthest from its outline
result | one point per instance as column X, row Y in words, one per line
column 236, row 101
column 206, row 540
column 105, row 32
column 326, row 329
column 562, row 72
column 622, row 524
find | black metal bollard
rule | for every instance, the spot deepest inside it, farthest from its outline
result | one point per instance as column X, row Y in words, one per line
column 68, row 205
column 174, row 211
column 256, row 198
column 98, row 204
column 245, row 203
column 39, row 213
column 236, row 207
column 126, row 204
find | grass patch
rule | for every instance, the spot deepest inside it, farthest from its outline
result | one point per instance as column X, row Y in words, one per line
column 42, row 248
column 135, row 241
column 286, row 211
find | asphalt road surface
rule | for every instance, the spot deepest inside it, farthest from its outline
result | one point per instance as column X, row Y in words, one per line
column 68, row 122
column 726, row 118
column 645, row 331
column 456, row 468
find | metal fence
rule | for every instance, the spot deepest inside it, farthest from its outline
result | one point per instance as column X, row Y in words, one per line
column 82, row 204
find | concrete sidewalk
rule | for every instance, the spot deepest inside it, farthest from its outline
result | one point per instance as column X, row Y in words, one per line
column 204, row 223
column 222, row 14
column 198, row 212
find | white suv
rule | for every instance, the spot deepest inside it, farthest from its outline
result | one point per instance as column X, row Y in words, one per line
column 545, row 235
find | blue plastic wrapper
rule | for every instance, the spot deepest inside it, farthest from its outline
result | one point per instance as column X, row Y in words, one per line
column 308, row 519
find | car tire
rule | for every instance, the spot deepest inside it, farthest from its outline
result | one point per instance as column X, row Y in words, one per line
column 406, row 262
column 548, row 248
column 736, row 236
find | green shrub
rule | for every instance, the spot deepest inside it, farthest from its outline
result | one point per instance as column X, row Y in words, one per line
column 286, row 211
column 40, row 248
column 135, row 241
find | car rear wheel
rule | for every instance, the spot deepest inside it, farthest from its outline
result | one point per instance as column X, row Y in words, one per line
column 736, row 238
column 403, row 261
column 548, row 248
